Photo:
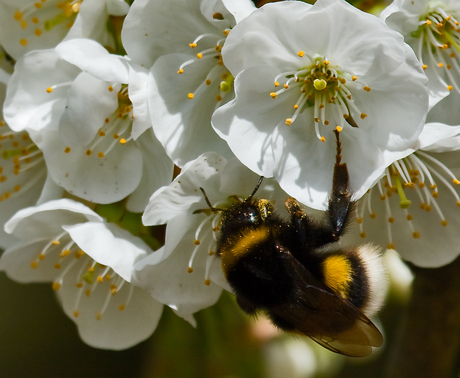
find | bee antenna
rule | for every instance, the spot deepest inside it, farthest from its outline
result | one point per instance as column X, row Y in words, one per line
column 213, row 209
column 261, row 178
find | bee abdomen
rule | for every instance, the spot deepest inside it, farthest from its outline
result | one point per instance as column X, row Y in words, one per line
column 357, row 275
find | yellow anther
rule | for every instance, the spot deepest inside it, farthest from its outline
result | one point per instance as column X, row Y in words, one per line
column 428, row 22
column 288, row 121
column 56, row 286
column 383, row 197
column 286, row 86
column 211, row 253
column 326, row 62
column 449, row 87
column 444, row 223
column 190, row 96
column 452, row 55
column 326, row 122
column 23, row 42
column 226, row 32
column 98, row 316
column 316, row 119
column 196, row 242
column 354, row 78
column 342, row 80
column 435, row 194
column 75, row 313
column 301, row 53
column 367, row 89
column 49, row 90
column 277, row 84
column 100, row 279
column 88, row 152
column 34, row 264
column 456, row 182
column 199, row 55
column 273, row 95
column 424, row 67
column 440, row 65
column 390, row 246
column 67, row 150
column 391, row 220
column 18, row 16
column 448, row 66
column 181, row 71
column 427, row 208
column 416, row 235
column 362, row 234
column 57, row 266
column 110, row 88
column 121, row 308
column 190, row 270
column 207, row 282
column 208, row 82
column 38, row 5
column 107, row 120
column 218, row 98
column 79, row 285
column 409, row 217
column 193, row 45
column 296, row 106
column 363, row 115
column 323, row 139
column 100, row 155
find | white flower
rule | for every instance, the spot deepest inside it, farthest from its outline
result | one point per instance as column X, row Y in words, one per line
column 22, row 170
column 415, row 207
column 304, row 71
column 185, row 273
column 84, row 121
column 90, row 264
column 27, row 25
column 431, row 27
column 182, row 40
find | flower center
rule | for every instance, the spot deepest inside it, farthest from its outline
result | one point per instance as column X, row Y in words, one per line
column 326, row 88
column 413, row 179
column 80, row 272
column 117, row 127
column 22, row 164
column 213, row 43
column 56, row 13
column 439, row 46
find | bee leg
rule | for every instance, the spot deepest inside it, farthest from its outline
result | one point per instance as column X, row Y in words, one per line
column 340, row 204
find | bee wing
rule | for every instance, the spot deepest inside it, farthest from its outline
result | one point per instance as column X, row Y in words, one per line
column 327, row 318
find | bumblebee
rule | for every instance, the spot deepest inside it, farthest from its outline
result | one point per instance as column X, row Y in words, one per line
column 292, row 271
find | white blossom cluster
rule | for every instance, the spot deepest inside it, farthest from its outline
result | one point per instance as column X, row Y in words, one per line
column 102, row 98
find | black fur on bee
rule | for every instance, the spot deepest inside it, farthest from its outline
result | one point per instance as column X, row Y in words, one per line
column 292, row 270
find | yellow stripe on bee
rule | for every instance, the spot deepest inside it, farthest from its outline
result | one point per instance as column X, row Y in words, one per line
column 231, row 253
column 338, row 274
